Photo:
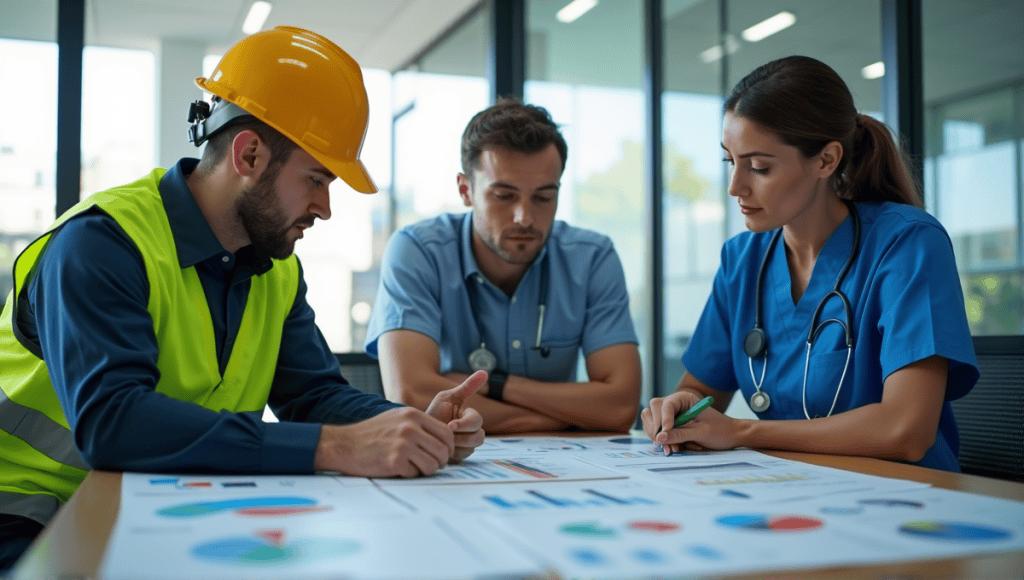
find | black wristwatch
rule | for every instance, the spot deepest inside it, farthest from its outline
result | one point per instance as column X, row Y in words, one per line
column 496, row 384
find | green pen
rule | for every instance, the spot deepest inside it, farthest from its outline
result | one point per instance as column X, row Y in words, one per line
column 695, row 410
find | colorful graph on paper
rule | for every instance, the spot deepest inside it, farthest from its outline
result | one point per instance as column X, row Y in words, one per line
column 247, row 506
column 272, row 547
column 507, row 470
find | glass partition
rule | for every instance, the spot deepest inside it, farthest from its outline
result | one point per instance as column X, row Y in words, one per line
column 693, row 195
column 973, row 87
column 588, row 74
column 28, row 129
column 433, row 101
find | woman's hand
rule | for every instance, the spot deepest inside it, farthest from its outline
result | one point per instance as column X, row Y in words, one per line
column 661, row 411
column 711, row 429
column 708, row 430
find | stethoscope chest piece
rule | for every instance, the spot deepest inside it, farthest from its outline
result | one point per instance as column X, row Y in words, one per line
column 759, row 402
column 482, row 359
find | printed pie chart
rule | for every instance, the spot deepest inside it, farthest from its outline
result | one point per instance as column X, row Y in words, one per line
column 769, row 523
column 252, row 506
column 262, row 550
column 954, row 531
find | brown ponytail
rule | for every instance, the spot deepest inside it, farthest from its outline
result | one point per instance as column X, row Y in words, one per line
column 807, row 105
column 878, row 167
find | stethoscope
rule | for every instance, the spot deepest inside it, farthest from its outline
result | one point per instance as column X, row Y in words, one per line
column 483, row 359
column 755, row 344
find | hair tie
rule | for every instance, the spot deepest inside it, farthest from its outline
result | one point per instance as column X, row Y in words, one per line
column 858, row 120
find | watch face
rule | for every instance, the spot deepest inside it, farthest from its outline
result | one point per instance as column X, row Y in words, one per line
column 482, row 359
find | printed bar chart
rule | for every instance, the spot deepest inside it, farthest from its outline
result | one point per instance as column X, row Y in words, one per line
column 587, row 498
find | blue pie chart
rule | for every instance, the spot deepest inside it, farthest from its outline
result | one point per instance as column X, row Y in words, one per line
column 954, row 531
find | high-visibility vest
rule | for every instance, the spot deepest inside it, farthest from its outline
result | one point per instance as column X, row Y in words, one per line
column 40, row 467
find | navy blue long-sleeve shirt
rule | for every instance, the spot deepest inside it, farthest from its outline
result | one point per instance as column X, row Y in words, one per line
column 86, row 309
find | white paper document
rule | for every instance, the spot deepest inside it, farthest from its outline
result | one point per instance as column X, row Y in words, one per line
column 532, row 468
column 872, row 528
column 514, row 498
column 745, row 475
column 322, row 530
column 595, row 507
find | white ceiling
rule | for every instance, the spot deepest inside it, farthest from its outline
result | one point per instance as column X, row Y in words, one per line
column 381, row 34
column 966, row 44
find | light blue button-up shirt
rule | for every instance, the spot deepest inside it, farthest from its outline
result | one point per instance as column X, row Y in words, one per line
column 428, row 271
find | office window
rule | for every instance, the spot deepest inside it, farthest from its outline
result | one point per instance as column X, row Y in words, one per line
column 118, row 116
column 433, row 101
column 973, row 87
column 587, row 74
column 693, row 181
column 28, row 134
column 341, row 257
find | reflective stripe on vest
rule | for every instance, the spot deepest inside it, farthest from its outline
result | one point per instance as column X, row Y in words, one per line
column 39, row 507
column 36, row 454
column 51, row 439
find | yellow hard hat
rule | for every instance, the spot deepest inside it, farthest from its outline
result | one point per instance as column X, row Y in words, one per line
column 306, row 87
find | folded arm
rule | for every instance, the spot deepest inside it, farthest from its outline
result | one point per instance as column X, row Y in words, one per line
column 607, row 402
column 410, row 371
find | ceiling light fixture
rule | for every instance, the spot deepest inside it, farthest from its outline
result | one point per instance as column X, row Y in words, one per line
column 715, row 52
column 574, row 10
column 766, row 28
column 257, row 16
column 873, row 71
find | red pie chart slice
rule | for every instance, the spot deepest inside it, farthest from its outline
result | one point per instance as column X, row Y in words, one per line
column 657, row 527
column 282, row 511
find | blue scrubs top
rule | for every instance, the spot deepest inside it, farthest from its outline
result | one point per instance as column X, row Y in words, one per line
column 907, row 304
column 428, row 270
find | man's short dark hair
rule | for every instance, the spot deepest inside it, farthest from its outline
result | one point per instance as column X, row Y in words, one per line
column 219, row 144
column 513, row 125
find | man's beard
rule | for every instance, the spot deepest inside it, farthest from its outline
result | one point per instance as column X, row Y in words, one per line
column 259, row 209
column 494, row 243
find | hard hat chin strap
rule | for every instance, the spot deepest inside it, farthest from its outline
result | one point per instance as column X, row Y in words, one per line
column 205, row 121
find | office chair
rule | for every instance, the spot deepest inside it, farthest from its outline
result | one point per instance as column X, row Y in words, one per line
column 362, row 371
column 991, row 416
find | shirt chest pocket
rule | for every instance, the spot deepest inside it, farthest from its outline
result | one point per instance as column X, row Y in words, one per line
column 555, row 360
column 824, row 374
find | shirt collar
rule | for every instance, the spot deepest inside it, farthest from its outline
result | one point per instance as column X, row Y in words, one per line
column 193, row 238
